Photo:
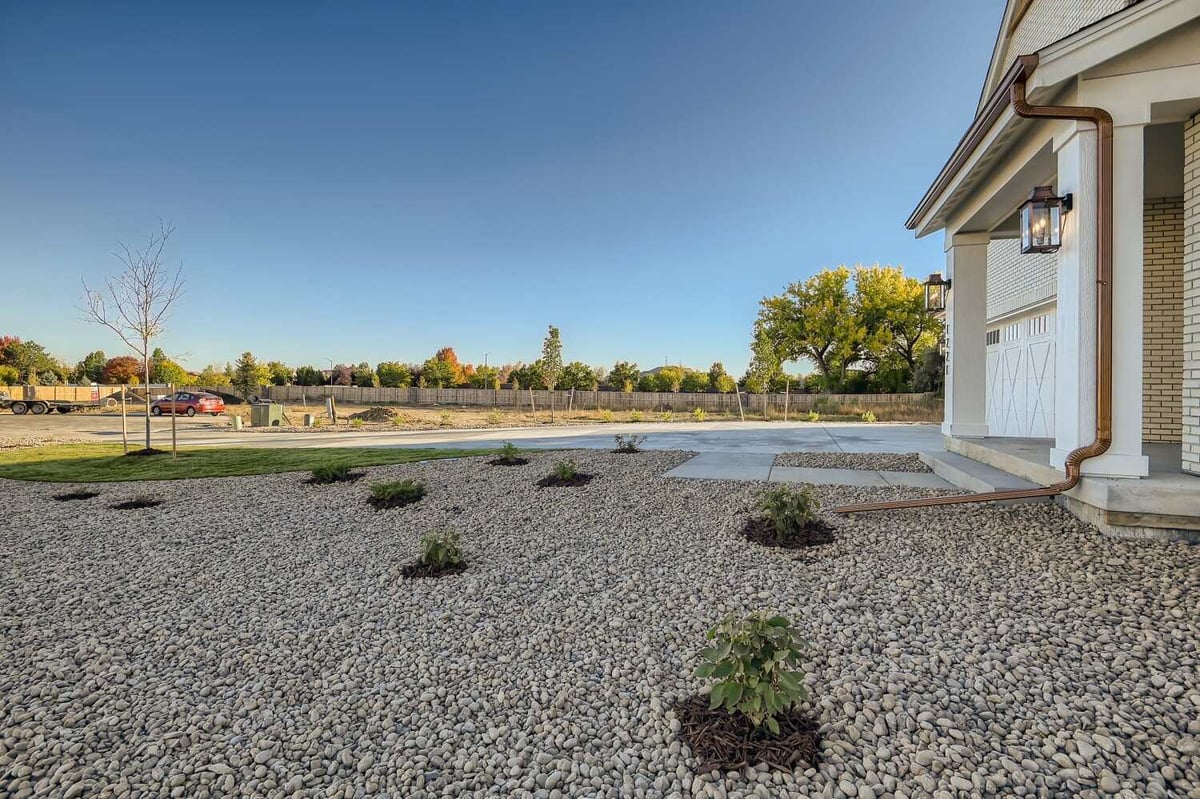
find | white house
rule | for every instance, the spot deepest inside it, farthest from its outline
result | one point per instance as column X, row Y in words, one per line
column 1028, row 334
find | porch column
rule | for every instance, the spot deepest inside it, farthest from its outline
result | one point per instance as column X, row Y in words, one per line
column 966, row 336
column 1191, row 296
column 1075, row 354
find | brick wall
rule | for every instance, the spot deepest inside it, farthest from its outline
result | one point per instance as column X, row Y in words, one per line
column 1162, row 314
column 1047, row 21
column 1017, row 281
column 1191, row 295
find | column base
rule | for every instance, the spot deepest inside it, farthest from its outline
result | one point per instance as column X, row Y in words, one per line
column 965, row 429
column 1110, row 464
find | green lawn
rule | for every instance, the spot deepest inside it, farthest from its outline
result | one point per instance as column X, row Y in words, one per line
column 105, row 463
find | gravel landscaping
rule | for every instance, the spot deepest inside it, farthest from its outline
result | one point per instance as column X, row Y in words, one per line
column 872, row 461
column 254, row 636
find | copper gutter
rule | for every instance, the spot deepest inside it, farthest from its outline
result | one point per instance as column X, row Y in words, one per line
column 1104, row 305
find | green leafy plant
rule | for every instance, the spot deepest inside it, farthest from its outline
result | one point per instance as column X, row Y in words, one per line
column 332, row 473
column 444, row 418
column 813, row 416
column 699, row 415
column 509, row 451
column 606, row 415
column 868, row 417
column 441, row 550
column 494, row 418
column 356, row 422
column 635, row 416
column 758, row 665
column 790, row 511
column 399, row 419
column 666, row 416
column 564, row 471
column 629, row 443
column 396, row 493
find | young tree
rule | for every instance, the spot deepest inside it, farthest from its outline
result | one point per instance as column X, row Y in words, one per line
column 249, row 374
column 715, row 373
column 624, row 376
column 393, row 374
column 135, row 303
column 552, row 364
column 764, row 365
column 309, row 376
column 91, row 367
column 280, row 373
column 121, row 370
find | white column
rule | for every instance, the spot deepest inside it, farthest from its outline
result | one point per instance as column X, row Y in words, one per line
column 1075, row 346
column 966, row 336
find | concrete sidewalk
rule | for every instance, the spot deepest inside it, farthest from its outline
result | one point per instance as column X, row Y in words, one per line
column 760, row 467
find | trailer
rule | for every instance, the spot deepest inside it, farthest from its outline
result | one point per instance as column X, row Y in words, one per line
column 40, row 400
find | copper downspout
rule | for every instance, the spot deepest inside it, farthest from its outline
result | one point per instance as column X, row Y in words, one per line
column 1104, row 274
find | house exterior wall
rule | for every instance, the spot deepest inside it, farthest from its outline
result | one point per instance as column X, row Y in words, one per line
column 1162, row 311
column 1047, row 21
column 1016, row 281
column 1191, row 296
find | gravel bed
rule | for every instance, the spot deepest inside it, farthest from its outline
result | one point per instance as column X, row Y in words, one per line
column 870, row 461
column 252, row 636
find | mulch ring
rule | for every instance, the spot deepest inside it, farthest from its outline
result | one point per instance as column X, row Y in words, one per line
column 145, row 451
column 349, row 478
column 552, row 481
column 393, row 502
column 508, row 461
column 76, row 495
column 137, row 502
column 721, row 740
column 760, row 531
column 419, row 569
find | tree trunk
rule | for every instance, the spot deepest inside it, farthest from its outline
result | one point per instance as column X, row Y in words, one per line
column 146, row 372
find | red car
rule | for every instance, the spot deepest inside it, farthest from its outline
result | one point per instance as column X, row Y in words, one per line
column 189, row 403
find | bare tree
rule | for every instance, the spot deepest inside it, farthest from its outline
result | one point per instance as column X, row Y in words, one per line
column 134, row 304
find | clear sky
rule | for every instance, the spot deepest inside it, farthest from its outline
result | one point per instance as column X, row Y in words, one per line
column 371, row 181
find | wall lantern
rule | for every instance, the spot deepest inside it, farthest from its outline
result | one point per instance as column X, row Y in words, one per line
column 1041, row 220
column 936, row 289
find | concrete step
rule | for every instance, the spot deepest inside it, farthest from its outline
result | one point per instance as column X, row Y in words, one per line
column 971, row 475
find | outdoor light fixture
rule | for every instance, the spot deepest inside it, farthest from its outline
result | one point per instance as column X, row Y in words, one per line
column 1041, row 220
column 936, row 289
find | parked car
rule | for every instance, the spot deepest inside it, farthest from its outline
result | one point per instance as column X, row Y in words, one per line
column 188, row 402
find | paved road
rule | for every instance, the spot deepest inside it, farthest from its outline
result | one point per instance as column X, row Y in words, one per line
column 730, row 437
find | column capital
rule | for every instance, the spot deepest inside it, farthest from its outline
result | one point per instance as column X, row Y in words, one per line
column 968, row 239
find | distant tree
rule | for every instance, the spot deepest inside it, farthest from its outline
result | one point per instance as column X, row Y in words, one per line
column 527, row 375
column 121, row 370
column 280, row 374
column 448, row 357
column 714, row 373
column 623, row 376
column 90, row 368
column 309, row 376
column 466, row 375
column 695, row 383
column 486, row 377
column 764, row 364
column 579, row 376
column 135, row 303
column 28, row 357
column 213, row 376
column 5, row 341
column 725, row 384
column 440, row 373
column 670, row 378
column 364, row 376
column 164, row 370
column 551, row 362
column 930, row 373
column 393, row 374
column 9, row 376
column 343, row 375
column 249, row 374
column 648, row 382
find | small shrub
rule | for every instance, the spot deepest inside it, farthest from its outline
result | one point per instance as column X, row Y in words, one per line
column 606, row 415
column 399, row 420
column 494, row 418
column 666, row 416
column 444, row 419
column 868, row 417
column 758, row 665
column 699, row 415
column 635, row 416
column 791, row 514
column 441, row 551
column 813, row 416
column 509, row 451
column 629, row 443
column 356, row 422
column 396, row 494
column 564, row 471
column 509, row 456
column 74, row 495
column 136, row 503
column 332, row 473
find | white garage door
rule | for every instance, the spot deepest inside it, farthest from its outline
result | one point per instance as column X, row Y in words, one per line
column 1020, row 377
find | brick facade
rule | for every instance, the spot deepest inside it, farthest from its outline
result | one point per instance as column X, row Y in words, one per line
column 1191, row 295
column 1162, row 314
column 1016, row 281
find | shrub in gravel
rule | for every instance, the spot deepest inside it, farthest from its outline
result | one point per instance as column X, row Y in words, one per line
column 396, row 494
column 72, row 495
column 629, row 444
column 136, row 503
column 564, row 473
column 509, row 456
column 440, row 554
column 333, row 473
column 753, row 710
column 791, row 518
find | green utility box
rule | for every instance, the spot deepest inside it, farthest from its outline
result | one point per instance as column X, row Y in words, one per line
column 266, row 414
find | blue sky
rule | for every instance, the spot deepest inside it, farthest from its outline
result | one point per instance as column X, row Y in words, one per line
column 371, row 181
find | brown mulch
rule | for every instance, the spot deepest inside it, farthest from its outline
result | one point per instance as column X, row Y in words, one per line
column 509, row 461
column 76, row 495
column 397, row 502
column 151, row 451
column 760, row 531
column 728, row 741
column 134, row 504
column 419, row 569
column 551, row 481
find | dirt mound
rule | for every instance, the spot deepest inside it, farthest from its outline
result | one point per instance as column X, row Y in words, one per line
column 375, row 414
